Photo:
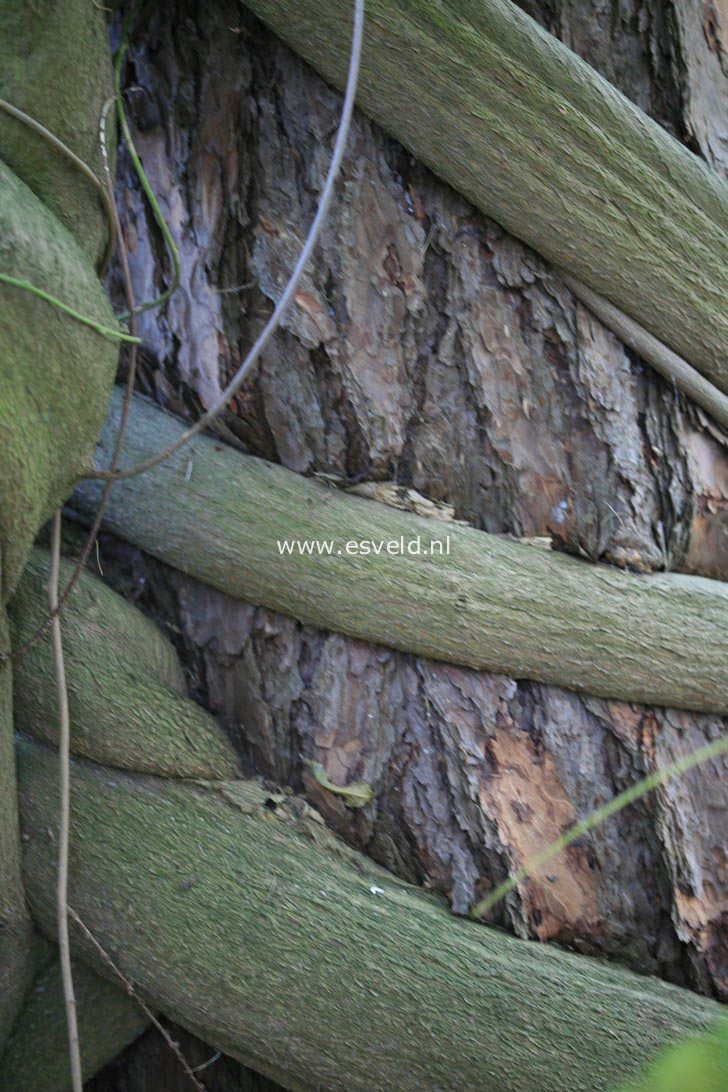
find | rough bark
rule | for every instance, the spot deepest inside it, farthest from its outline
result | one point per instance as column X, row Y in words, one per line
column 473, row 773
column 425, row 346
column 429, row 347
column 704, row 38
column 487, row 603
column 676, row 370
column 498, row 400
column 516, row 122
column 691, row 909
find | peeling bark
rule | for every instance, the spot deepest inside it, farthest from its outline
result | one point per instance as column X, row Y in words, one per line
column 472, row 774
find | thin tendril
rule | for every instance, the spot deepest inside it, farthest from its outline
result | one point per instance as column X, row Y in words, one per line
column 144, row 181
column 78, row 163
column 107, row 331
column 64, row 765
column 189, row 1071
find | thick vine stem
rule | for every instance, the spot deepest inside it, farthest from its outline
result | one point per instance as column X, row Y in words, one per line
column 534, row 137
column 44, row 625
column 17, row 954
column 110, row 703
column 79, row 164
column 55, row 374
column 55, row 69
column 257, row 929
column 52, row 400
column 671, row 366
column 236, row 913
column 272, row 908
column 488, row 602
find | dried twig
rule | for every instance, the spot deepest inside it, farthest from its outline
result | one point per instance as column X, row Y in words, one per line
column 687, row 378
column 64, row 763
column 173, row 1046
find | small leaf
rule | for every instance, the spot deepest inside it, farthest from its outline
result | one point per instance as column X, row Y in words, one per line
column 356, row 795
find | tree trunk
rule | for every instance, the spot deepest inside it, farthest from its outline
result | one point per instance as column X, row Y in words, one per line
column 430, row 349
column 434, row 362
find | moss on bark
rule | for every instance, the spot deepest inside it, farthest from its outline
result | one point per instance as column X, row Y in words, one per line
column 17, row 957
column 56, row 374
column 36, row 1053
column 54, row 65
